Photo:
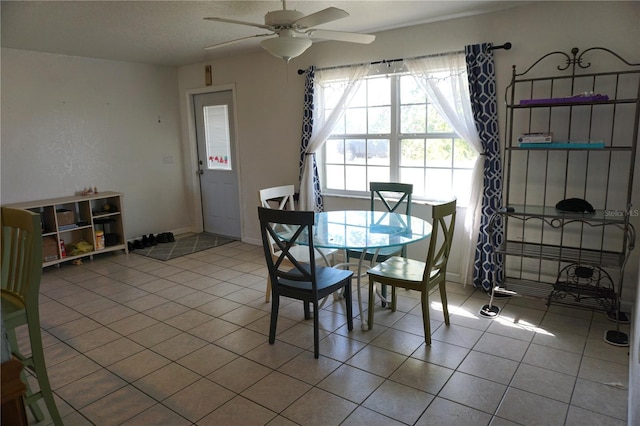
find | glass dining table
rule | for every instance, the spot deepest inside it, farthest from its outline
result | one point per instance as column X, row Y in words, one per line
column 365, row 230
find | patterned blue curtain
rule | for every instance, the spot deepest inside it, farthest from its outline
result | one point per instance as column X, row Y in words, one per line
column 482, row 88
column 307, row 129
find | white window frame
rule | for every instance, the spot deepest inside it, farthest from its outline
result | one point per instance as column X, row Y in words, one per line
column 394, row 138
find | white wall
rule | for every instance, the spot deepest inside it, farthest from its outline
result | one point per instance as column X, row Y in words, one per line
column 69, row 123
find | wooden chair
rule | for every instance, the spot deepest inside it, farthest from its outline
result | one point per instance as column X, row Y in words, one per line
column 420, row 276
column 281, row 198
column 21, row 242
column 303, row 280
column 392, row 195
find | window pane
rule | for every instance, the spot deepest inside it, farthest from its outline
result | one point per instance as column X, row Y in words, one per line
column 410, row 92
column 380, row 120
column 439, row 152
column 378, row 174
column 412, row 152
column 378, row 91
column 464, row 155
column 339, row 128
column 335, row 177
column 438, row 184
column 218, row 143
column 360, row 97
column 356, row 119
column 378, row 151
column 334, row 151
column 413, row 118
column 356, row 178
column 462, row 185
column 436, row 123
column 414, row 176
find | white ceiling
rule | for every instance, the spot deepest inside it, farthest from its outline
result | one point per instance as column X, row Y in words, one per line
column 174, row 33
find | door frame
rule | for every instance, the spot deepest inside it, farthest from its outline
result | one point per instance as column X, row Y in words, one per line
column 192, row 166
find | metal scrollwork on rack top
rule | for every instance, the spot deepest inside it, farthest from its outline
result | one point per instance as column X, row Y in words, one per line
column 585, row 282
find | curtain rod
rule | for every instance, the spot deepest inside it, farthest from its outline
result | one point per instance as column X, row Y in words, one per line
column 505, row 46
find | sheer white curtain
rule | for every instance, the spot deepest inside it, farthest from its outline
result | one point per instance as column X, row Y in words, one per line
column 444, row 81
column 324, row 123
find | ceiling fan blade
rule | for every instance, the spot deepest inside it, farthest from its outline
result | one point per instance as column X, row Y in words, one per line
column 342, row 36
column 226, row 43
column 233, row 21
column 322, row 17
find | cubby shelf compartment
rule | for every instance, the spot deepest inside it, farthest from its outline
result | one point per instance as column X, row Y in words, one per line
column 88, row 217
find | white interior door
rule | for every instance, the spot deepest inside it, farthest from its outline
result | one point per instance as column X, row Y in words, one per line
column 217, row 163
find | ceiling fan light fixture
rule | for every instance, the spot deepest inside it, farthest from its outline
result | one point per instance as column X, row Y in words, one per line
column 286, row 47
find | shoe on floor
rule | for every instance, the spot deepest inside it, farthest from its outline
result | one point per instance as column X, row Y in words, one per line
column 163, row 238
column 170, row 237
column 130, row 246
column 153, row 240
column 138, row 244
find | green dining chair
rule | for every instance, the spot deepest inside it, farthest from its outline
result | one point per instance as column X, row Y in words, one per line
column 21, row 244
column 281, row 198
column 302, row 280
column 416, row 275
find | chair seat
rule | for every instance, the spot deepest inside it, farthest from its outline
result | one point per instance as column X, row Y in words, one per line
column 383, row 254
column 401, row 268
column 325, row 278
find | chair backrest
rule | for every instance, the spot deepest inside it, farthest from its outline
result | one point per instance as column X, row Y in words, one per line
column 392, row 195
column 279, row 196
column 285, row 228
column 444, row 220
column 21, row 250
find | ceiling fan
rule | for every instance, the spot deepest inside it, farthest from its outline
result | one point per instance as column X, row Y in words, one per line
column 294, row 31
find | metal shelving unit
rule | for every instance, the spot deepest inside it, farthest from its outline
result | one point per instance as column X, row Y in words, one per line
column 593, row 115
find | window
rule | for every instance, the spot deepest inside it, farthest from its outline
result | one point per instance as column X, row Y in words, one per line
column 391, row 132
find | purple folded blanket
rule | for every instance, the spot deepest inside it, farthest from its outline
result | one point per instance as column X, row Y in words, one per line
column 570, row 99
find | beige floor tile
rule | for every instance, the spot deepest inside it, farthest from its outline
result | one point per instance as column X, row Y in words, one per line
column 559, row 339
column 213, row 329
column 198, row 399
column 529, row 409
column 399, row 341
column 273, row 356
column 365, row 417
column 441, row 353
column 157, row 415
column 115, row 351
column 475, row 392
column 319, row 408
column 166, row 381
column 602, row 371
column 377, row 360
column 156, row 333
column 241, row 341
column 178, row 346
column 166, row 311
column 489, row 367
column 118, row 407
column 579, row 417
column 456, row 335
column 608, row 400
column 351, row 383
column 188, row 320
column 133, row 323
column 276, row 391
column 399, row 402
column 90, row 388
column 553, row 359
column 138, row 365
column 422, row 375
column 504, row 347
column 339, row 347
column 243, row 315
column 547, row 383
column 238, row 412
column 207, row 359
column 70, row 370
column 239, row 374
column 308, row 369
column 444, row 412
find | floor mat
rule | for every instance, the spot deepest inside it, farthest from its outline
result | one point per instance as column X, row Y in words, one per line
column 183, row 246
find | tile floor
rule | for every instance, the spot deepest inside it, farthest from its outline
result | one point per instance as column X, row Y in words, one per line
column 134, row 341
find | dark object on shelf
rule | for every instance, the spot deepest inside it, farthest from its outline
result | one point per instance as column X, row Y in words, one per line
column 575, row 205
column 110, row 239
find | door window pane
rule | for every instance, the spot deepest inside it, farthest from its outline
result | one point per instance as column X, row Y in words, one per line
column 218, row 141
